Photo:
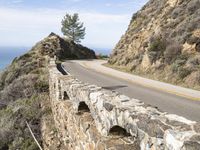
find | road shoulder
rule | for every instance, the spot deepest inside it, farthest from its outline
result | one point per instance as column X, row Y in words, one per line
column 98, row 66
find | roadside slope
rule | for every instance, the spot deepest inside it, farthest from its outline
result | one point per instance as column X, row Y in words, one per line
column 165, row 87
column 162, row 42
column 24, row 95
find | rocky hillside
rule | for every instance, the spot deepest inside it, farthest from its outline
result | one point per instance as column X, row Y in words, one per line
column 24, row 90
column 63, row 48
column 163, row 42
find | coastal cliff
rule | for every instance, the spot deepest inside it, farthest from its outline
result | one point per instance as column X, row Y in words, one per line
column 162, row 42
column 24, row 94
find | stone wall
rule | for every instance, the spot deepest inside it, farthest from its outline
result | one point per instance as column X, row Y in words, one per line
column 90, row 117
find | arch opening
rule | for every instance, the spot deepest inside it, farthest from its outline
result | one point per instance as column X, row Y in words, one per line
column 118, row 131
column 65, row 96
column 83, row 107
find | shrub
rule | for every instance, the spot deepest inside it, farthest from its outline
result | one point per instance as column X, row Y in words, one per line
column 41, row 86
column 171, row 52
column 20, row 88
column 176, row 12
column 192, row 6
column 192, row 26
column 183, row 57
column 25, row 56
column 178, row 63
column 178, row 66
column 194, row 63
column 13, row 130
column 193, row 79
column 157, row 44
column 2, row 79
column 29, row 144
column 134, row 17
column 183, row 72
column 101, row 56
column 153, row 56
column 193, row 40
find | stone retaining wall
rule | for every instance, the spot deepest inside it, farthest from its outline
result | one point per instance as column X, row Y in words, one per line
column 90, row 117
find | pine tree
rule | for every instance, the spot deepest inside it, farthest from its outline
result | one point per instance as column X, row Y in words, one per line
column 73, row 28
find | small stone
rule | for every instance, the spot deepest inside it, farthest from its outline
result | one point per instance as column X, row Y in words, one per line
column 153, row 128
column 108, row 106
column 132, row 129
column 123, row 101
column 197, row 47
column 197, row 127
column 195, row 138
column 191, row 145
column 179, row 125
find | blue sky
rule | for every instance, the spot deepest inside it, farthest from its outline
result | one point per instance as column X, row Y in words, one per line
column 24, row 22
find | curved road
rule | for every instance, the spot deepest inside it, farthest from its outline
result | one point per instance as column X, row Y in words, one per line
column 164, row 101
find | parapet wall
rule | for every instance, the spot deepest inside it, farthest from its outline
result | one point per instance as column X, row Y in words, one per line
column 82, row 110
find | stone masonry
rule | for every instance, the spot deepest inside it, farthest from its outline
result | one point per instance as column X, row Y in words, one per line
column 91, row 118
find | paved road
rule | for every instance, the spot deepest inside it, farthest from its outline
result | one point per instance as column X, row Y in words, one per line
column 164, row 101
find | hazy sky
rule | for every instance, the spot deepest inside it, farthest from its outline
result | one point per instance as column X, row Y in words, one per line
column 24, row 22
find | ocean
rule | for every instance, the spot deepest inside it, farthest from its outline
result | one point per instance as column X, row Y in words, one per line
column 103, row 51
column 7, row 54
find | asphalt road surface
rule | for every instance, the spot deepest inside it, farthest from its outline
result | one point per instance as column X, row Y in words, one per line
column 164, row 101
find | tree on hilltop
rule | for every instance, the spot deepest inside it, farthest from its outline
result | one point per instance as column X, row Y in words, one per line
column 73, row 28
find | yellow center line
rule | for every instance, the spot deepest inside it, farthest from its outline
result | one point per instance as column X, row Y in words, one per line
column 84, row 64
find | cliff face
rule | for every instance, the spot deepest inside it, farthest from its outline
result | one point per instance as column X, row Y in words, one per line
column 24, row 94
column 163, row 42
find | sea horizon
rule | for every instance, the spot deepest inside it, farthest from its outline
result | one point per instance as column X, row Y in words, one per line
column 9, row 53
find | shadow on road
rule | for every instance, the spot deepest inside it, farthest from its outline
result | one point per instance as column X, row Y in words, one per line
column 114, row 87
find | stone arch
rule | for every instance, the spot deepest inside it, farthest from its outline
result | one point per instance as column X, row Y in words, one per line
column 118, row 131
column 65, row 96
column 83, row 107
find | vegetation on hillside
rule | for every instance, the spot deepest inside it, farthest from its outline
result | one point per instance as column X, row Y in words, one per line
column 24, row 94
column 24, row 84
column 163, row 42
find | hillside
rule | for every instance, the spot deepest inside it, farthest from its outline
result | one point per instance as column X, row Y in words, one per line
column 162, row 42
column 24, row 94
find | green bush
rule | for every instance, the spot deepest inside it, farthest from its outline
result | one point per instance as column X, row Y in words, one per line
column 23, row 144
column 157, row 44
column 183, row 72
column 13, row 130
column 25, row 56
column 41, row 86
column 29, row 144
column 178, row 63
column 101, row 56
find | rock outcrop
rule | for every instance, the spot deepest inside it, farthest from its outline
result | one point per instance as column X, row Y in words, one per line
column 63, row 48
column 163, row 41
column 91, row 118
